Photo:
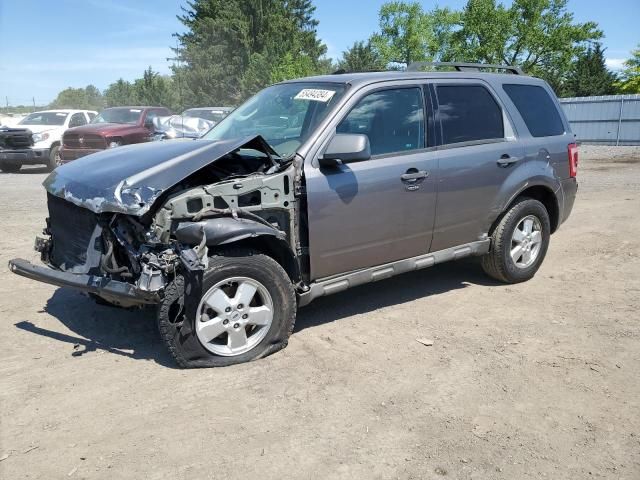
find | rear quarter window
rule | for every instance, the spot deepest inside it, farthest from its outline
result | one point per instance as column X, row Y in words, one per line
column 536, row 108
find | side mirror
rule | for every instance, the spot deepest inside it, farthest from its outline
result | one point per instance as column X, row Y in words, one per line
column 345, row 148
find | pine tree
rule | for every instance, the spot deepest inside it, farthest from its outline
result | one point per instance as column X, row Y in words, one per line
column 361, row 57
column 590, row 76
column 232, row 48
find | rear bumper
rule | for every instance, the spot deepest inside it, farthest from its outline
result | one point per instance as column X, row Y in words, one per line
column 70, row 154
column 569, row 191
column 106, row 288
column 25, row 156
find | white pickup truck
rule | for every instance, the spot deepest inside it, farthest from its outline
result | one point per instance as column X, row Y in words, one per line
column 36, row 139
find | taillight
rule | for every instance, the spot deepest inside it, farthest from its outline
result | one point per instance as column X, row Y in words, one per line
column 573, row 159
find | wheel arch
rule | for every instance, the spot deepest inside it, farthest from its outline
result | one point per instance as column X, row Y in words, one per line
column 544, row 194
column 273, row 247
column 225, row 232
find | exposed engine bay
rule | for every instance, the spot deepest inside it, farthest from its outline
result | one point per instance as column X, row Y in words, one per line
column 246, row 197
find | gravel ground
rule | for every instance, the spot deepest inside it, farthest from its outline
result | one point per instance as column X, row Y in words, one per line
column 526, row 381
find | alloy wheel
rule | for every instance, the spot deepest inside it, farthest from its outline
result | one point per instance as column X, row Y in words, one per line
column 526, row 241
column 234, row 316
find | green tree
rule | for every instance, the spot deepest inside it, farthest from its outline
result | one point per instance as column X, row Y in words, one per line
column 119, row 94
column 88, row 98
column 589, row 76
column 361, row 57
column 232, row 48
column 630, row 75
column 155, row 90
column 409, row 34
column 540, row 36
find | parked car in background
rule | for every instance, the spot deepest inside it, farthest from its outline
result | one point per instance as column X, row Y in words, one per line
column 212, row 114
column 113, row 127
column 36, row 139
column 179, row 126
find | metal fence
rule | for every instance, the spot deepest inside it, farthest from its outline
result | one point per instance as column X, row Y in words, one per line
column 605, row 120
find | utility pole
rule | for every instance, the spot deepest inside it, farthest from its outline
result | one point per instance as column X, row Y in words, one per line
column 7, row 101
column 34, row 103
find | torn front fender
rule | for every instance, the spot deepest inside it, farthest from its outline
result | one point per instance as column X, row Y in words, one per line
column 222, row 230
column 129, row 179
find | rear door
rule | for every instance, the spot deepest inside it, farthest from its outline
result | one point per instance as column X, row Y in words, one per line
column 478, row 152
column 364, row 214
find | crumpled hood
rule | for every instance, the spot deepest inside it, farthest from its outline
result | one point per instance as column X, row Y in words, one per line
column 129, row 179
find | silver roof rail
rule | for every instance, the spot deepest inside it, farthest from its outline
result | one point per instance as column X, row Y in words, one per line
column 462, row 67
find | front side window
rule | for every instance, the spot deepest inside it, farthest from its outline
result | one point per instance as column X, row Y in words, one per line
column 44, row 118
column 468, row 113
column 285, row 115
column 392, row 119
column 119, row 115
column 77, row 120
column 536, row 109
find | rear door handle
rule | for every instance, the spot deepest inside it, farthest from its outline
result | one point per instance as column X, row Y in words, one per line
column 506, row 160
column 413, row 176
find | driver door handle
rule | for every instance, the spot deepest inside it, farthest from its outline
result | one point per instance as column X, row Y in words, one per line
column 506, row 160
column 412, row 177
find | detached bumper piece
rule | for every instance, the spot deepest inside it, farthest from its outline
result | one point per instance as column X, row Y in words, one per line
column 122, row 292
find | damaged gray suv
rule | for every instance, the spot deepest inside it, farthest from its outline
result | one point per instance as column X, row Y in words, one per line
column 311, row 187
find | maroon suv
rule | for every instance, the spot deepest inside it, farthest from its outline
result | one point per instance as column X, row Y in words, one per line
column 111, row 128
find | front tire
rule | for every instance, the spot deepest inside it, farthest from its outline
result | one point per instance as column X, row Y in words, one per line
column 54, row 158
column 245, row 311
column 519, row 242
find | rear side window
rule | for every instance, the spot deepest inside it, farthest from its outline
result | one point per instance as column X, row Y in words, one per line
column 392, row 119
column 468, row 113
column 536, row 109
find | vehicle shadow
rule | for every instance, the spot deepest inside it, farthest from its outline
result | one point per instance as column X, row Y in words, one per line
column 394, row 291
column 133, row 333
column 33, row 169
column 129, row 333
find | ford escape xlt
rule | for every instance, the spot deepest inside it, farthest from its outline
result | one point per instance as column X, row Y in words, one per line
column 309, row 188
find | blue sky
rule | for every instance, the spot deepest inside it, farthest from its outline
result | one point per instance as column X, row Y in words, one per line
column 48, row 45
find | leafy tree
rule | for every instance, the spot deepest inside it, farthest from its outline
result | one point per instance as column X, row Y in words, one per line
column 404, row 35
column 361, row 57
column 120, row 93
column 590, row 76
column 630, row 75
column 232, row 48
column 88, row 98
column 538, row 35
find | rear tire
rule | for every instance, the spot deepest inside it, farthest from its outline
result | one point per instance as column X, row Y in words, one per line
column 211, row 336
column 519, row 242
column 10, row 167
column 54, row 158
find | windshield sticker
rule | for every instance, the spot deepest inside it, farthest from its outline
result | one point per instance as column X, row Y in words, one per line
column 315, row 95
column 61, row 114
column 135, row 110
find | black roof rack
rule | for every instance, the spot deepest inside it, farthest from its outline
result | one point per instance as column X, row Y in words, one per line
column 462, row 67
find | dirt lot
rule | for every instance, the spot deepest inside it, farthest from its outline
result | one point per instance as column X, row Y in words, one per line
column 529, row 381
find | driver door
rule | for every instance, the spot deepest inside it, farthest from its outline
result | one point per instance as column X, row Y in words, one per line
column 369, row 213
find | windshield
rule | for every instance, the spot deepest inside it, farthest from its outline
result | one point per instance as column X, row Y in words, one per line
column 44, row 118
column 119, row 115
column 285, row 115
column 206, row 113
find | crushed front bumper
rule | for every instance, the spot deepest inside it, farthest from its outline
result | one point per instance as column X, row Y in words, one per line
column 120, row 292
column 25, row 156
